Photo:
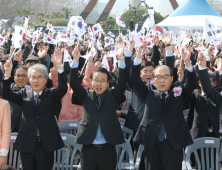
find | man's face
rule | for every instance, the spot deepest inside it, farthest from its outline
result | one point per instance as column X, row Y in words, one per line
column 177, row 64
column 86, row 43
column 41, row 45
column 31, row 63
column 69, row 49
column 99, row 82
column 102, row 54
column 21, row 78
column 1, row 53
column 37, row 80
column 211, row 58
column 162, row 79
column 146, row 73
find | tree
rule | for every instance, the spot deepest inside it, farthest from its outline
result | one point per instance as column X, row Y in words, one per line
column 110, row 23
column 44, row 17
column 9, row 8
column 57, row 22
column 67, row 12
column 128, row 15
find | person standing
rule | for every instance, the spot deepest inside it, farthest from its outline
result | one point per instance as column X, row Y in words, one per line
column 99, row 130
column 163, row 130
column 38, row 136
column 5, row 131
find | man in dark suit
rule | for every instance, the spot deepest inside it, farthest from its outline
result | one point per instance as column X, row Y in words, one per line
column 206, row 113
column 99, row 130
column 163, row 130
column 38, row 137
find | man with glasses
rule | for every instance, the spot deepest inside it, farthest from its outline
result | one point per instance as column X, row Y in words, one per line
column 38, row 136
column 99, row 130
column 163, row 130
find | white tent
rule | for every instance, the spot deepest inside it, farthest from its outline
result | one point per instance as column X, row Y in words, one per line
column 192, row 14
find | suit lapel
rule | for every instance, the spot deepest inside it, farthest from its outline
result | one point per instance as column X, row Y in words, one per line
column 45, row 92
column 157, row 97
column 30, row 95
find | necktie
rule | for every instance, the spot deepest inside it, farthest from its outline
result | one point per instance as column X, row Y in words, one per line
column 162, row 132
column 99, row 133
column 36, row 99
column 37, row 103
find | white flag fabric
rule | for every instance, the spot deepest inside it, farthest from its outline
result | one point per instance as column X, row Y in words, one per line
column 26, row 23
column 209, row 32
column 111, row 34
column 2, row 40
column 99, row 45
column 49, row 39
column 67, row 58
column 119, row 21
column 105, row 63
column 20, row 35
column 2, row 21
column 49, row 27
column 150, row 21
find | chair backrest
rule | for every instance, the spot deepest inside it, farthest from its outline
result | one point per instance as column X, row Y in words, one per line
column 125, row 148
column 69, row 127
column 13, row 158
column 207, row 149
column 127, row 133
column 64, row 158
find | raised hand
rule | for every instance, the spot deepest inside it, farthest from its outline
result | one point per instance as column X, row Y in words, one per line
column 57, row 59
column 202, row 60
column 3, row 160
column 90, row 60
column 131, row 45
column 186, row 54
column 167, row 38
column 119, row 53
column 156, row 40
column 8, row 68
column 18, row 55
column 141, row 49
column 219, row 65
column 43, row 51
column 76, row 54
column 210, row 51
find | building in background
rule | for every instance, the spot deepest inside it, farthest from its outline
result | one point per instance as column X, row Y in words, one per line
column 216, row 4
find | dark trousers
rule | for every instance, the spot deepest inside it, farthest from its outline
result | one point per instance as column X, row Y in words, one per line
column 162, row 157
column 37, row 160
column 98, row 159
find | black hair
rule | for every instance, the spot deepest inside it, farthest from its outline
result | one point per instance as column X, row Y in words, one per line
column 149, row 53
column 102, row 70
column 147, row 63
column 23, row 67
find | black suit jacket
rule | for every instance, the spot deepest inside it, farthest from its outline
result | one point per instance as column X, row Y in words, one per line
column 41, row 117
column 204, row 111
column 171, row 114
column 95, row 112
column 136, row 108
column 212, row 94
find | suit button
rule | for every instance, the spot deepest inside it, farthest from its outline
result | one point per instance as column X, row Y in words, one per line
column 158, row 126
column 37, row 117
column 99, row 113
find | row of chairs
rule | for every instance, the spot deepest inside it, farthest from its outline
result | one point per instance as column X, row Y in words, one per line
column 206, row 151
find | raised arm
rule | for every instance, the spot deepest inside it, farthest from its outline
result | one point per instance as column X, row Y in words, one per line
column 128, row 62
column 15, row 97
column 86, row 82
column 74, row 80
column 120, row 86
column 62, row 78
column 192, row 82
column 156, row 53
column 137, row 82
column 211, row 93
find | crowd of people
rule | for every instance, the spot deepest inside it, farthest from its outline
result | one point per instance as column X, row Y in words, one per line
column 148, row 90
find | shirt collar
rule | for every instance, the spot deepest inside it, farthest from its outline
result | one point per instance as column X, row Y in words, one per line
column 37, row 93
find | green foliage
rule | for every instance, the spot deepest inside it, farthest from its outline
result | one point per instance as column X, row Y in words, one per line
column 44, row 17
column 31, row 24
column 57, row 22
column 110, row 22
column 67, row 12
column 25, row 12
column 128, row 15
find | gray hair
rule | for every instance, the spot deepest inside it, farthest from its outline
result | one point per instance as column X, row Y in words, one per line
column 212, row 75
column 38, row 67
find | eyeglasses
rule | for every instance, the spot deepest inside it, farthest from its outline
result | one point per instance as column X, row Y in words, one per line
column 1, row 52
column 166, row 76
column 21, row 76
column 37, row 78
column 98, row 81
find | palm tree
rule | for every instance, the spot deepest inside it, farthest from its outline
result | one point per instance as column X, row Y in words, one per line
column 67, row 12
